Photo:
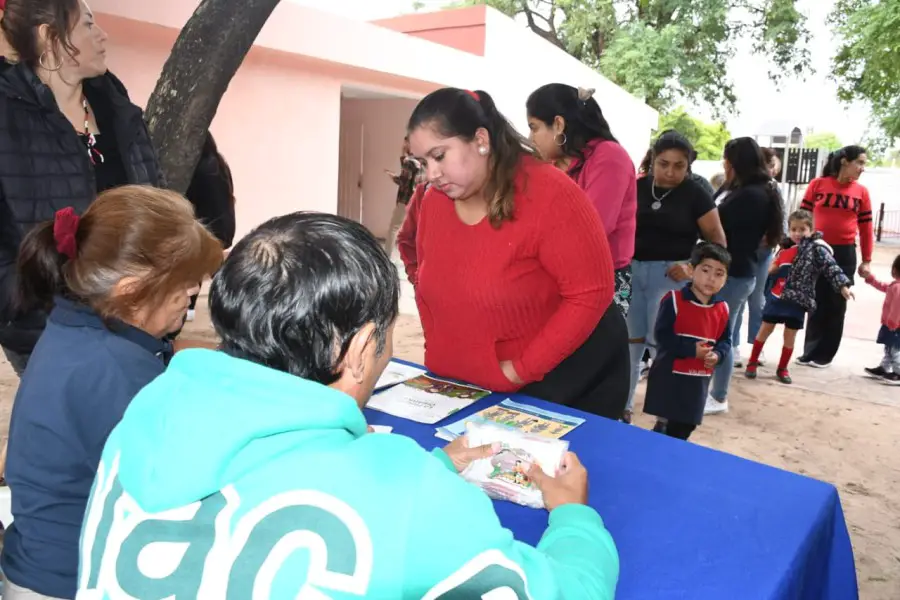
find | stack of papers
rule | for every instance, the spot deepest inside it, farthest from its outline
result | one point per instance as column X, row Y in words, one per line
column 514, row 415
column 397, row 372
column 425, row 399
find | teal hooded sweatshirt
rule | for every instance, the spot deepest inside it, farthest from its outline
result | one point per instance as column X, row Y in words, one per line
column 227, row 480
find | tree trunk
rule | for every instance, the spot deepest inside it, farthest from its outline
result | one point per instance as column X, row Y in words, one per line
column 207, row 54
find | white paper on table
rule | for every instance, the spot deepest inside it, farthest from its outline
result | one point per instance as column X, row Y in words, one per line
column 425, row 399
column 397, row 373
column 381, row 428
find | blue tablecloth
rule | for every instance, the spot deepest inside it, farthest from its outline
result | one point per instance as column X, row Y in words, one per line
column 691, row 522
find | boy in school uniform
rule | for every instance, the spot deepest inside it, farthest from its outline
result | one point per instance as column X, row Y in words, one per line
column 692, row 337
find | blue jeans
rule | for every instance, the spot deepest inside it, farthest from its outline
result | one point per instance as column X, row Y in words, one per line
column 735, row 293
column 649, row 283
column 757, row 300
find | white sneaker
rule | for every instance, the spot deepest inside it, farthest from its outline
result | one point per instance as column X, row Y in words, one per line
column 738, row 363
column 816, row 365
column 714, row 407
column 762, row 359
column 190, row 314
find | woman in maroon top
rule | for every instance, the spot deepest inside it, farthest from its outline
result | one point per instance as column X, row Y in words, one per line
column 513, row 273
column 569, row 129
column 842, row 211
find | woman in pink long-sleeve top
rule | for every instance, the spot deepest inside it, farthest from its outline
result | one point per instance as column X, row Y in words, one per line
column 569, row 129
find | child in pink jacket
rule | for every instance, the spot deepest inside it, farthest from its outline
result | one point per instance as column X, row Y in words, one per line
column 889, row 334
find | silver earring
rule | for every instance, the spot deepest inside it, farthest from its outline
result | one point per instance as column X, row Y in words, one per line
column 42, row 58
column 482, row 150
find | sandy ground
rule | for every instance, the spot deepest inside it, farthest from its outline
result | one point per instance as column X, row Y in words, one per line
column 833, row 425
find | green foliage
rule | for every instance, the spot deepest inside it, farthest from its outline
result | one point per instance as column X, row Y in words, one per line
column 709, row 139
column 866, row 65
column 825, row 140
column 668, row 50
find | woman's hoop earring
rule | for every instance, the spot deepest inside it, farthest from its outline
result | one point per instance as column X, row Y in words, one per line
column 45, row 67
column 557, row 141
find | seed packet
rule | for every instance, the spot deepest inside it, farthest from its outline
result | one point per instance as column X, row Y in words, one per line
column 504, row 476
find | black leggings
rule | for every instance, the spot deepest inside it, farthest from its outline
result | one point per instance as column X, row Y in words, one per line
column 675, row 429
column 597, row 376
column 825, row 326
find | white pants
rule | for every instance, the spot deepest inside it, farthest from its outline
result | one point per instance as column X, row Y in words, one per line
column 891, row 361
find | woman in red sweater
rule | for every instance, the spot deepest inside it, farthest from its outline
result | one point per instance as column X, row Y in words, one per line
column 513, row 274
column 569, row 129
column 841, row 210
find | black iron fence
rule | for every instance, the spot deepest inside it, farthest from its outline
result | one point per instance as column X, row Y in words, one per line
column 801, row 164
column 887, row 225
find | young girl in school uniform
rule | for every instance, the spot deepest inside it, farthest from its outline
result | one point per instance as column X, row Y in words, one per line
column 889, row 334
column 794, row 274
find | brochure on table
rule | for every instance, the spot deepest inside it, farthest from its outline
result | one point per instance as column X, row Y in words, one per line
column 425, row 399
column 516, row 416
column 397, row 372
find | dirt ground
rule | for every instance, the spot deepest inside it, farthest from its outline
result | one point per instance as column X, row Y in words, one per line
column 833, row 425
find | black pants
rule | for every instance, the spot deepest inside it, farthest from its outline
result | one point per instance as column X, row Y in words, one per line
column 825, row 326
column 597, row 376
column 675, row 429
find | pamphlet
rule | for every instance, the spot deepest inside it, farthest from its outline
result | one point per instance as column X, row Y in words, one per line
column 514, row 415
column 397, row 372
column 381, row 428
column 425, row 399
column 505, row 475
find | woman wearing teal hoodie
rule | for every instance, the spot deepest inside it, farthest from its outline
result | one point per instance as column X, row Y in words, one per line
column 249, row 472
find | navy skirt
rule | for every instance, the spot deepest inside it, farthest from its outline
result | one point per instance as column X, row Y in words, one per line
column 889, row 338
column 778, row 312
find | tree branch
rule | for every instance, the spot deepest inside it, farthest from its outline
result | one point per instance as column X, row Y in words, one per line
column 208, row 52
column 549, row 34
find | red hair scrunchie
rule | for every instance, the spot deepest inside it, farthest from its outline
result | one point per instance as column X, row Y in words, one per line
column 474, row 95
column 65, row 226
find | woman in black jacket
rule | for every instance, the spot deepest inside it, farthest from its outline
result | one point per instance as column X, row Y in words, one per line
column 67, row 132
column 212, row 194
column 751, row 209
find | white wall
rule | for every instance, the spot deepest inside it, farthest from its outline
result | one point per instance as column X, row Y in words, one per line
column 519, row 62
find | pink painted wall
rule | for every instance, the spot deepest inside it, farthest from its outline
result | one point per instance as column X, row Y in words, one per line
column 276, row 125
column 279, row 125
column 463, row 28
column 383, row 123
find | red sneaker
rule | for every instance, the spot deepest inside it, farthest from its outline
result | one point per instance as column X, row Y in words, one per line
column 750, row 373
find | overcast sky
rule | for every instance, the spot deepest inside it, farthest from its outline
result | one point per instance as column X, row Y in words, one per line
column 808, row 104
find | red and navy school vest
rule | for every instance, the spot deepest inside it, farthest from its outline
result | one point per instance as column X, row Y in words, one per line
column 785, row 258
column 699, row 323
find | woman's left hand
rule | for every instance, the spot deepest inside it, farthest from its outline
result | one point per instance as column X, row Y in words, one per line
column 509, row 371
column 679, row 272
column 461, row 455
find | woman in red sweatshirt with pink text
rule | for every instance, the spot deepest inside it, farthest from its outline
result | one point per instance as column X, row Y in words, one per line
column 841, row 210
column 569, row 129
column 514, row 276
